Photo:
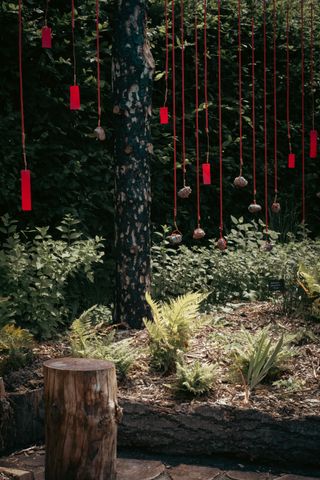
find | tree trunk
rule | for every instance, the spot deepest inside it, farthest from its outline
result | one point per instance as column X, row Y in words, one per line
column 81, row 419
column 133, row 68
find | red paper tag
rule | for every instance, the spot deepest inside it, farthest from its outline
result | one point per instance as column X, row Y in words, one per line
column 74, row 97
column 313, row 143
column 291, row 160
column 25, row 190
column 164, row 115
column 46, row 37
column 206, row 174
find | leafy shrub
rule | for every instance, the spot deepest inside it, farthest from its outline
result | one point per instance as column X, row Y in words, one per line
column 242, row 272
column 171, row 328
column 195, row 379
column 257, row 356
column 90, row 340
column 15, row 348
column 34, row 272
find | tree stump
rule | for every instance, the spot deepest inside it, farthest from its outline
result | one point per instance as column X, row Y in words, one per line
column 81, row 419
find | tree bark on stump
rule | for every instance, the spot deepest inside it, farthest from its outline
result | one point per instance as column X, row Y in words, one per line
column 80, row 419
column 133, row 68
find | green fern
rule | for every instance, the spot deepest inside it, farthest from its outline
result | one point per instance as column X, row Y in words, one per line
column 195, row 379
column 309, row 281
column 172, row 326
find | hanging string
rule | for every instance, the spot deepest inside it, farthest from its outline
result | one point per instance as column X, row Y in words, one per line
column 197, row 116
column 73, row 44
column 205, row 53
column 253, row 115
column 240, row 87
column 167, row 50
column 220, row 121
column 23, row 136
column 98, row 63
column 312, row 84
column 303, row 111
column 265, row 117
column 183, row 133
column 275, row 101
column 46, row 12
column 288, row 78
column 174, row 120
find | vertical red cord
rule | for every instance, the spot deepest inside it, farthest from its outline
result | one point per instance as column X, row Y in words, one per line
column 183, row 133
column 253, row 114
column 174, row 120
column 98, row 63
column 288, row 78
column 23, row 136
column 303, row 113
column 73, row 44
column 275, row 100
column 265, row 126
column 240, row 87
column 197, row 116
column 220, row 120
column 167, row 50
column 205, row 52
column 312, row 64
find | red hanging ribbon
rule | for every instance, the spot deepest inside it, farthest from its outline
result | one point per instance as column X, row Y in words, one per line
column 275, row 100
column 46, row 33
column 302, row 112
column 25, row 174
column 220, row 122
column 313, row 134
column 197, row 117
column 183, row 132
column 98, row 64
column 240, row 87
column 253, row 114
column 206, row 174
column 74, row 90
column 164, row 114
column 265, row 126
column 291, row 157
column 174, row 119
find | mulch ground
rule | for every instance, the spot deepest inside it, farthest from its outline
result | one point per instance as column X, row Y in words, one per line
column 300, row 396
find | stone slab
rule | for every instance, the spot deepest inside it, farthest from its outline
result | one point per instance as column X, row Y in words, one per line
column 17, row 474
column 239, row 475
column 193, row 472
column 130, row 469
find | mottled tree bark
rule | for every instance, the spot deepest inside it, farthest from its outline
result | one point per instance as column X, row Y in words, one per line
column 133, row 68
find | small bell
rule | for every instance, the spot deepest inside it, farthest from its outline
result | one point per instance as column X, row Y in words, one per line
column 222, row 244
column 175, row 238
column 267, row 246
column 275, row 207
column 184, row 192
column 240, row 182
column 198, row 233
column 100, row 133
column 254, row 208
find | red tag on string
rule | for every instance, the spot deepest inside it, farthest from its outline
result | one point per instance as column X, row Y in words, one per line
column 74, row 97
column 291, row 160
column 25, row 190
column 164, row 115
column 46, row 37
column 206, row 174
column 313, row 144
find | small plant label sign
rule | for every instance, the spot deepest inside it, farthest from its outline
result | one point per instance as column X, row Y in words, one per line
column 276, row 285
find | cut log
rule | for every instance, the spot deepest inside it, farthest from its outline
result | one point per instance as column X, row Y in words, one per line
column 2, row 389
column 81, row 419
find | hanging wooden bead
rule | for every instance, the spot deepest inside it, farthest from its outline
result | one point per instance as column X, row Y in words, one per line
column 222, row 244
column 275, row 207
column 206, row 174
column 74, row 97
column 291, row 160
column 198, row 233
column 313, row 144
column 164, row 115
column 175, row 238
column 184, row 192
column 46, row 37
column 240, row 182
column 100, row 133
column 254, row 208
column 26, row 190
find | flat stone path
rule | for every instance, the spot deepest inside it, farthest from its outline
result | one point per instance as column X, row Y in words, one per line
column 29, row 465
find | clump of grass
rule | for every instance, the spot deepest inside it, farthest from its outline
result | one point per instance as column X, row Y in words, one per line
column 195, row 379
